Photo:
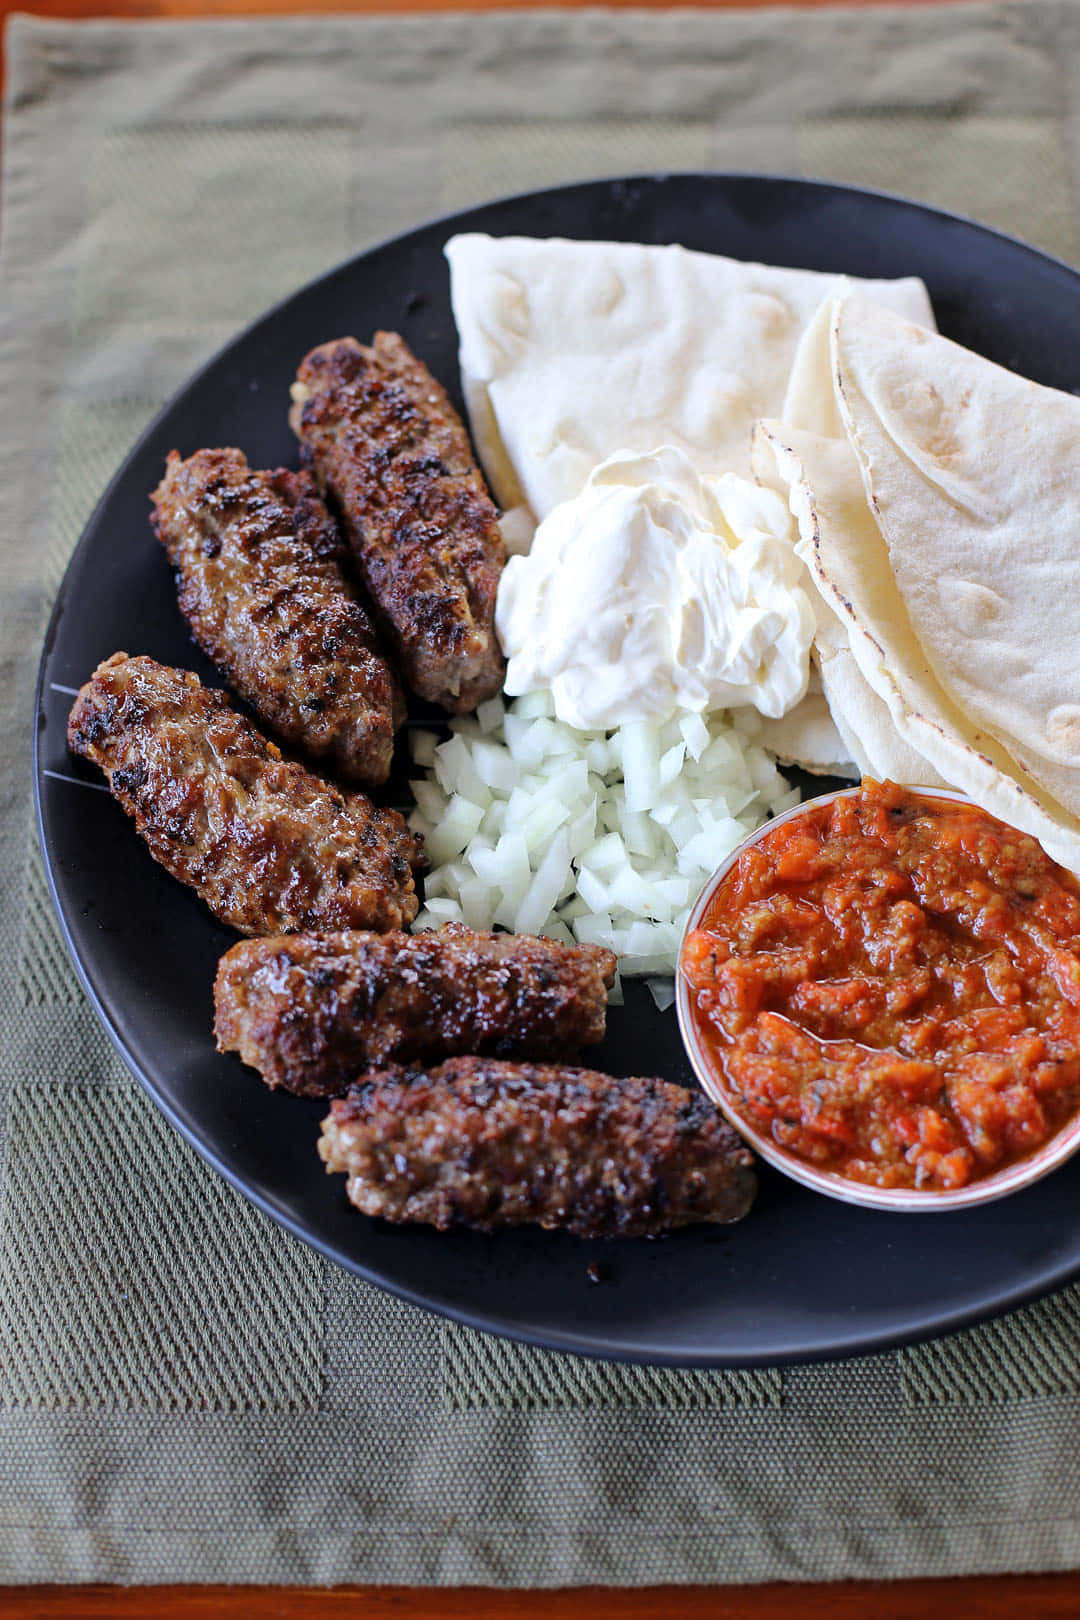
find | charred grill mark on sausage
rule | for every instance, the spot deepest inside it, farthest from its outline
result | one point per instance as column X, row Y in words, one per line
column 311, row 1013
column 485, row 1143
column 268, row 845
column 258, row 563
column 393, row 458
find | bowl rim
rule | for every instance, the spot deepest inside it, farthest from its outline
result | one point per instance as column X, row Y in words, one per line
column 908, row 1200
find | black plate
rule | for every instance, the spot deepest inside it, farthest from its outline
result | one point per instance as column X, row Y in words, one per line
column 802, row 1276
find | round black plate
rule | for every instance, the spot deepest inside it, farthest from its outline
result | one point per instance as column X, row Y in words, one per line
column 802, row 1276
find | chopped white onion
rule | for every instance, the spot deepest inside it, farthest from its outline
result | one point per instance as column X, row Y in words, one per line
column 423, row 745
column 598, row 837
column 662, row 992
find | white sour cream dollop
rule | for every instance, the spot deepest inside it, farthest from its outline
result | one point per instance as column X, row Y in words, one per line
column 656, row 590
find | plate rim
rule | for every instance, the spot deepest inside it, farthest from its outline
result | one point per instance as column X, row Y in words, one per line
column 841, row 1345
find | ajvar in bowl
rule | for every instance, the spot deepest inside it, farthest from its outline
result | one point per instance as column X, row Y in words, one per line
column 881, row 990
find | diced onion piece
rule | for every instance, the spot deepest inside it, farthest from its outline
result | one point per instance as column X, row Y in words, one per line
column 494, row 820
column 630, row 892
column 664, row 814
column 671, row 763
column 422, row 745
column 695, row 734
column 600, row 757
column 785, row 801
column 451, row 835
column 641, row 764
column 600, row 838
column 474, row 896
column 608, row 854
column 583, row 830
column 544, row 819
column 454, row 770
column 494, row 766
column 595, row 894
column 430, row 800
column 638, row 832
column 533, row 704
column 662, row 992
column 545, row 890
column 438, row 912
column 595, row 929
column 489, row 715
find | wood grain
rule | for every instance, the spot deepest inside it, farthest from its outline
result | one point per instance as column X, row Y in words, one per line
column 1036, row 1597
column 87, row 9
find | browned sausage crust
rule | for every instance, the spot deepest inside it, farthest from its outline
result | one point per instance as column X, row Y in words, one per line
column 485, row 1143
column 393, row 457
column 258, row 571
column 311, row 1013
column 269, row 846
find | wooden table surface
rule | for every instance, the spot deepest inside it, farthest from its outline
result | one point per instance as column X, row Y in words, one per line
column 1055, row 1597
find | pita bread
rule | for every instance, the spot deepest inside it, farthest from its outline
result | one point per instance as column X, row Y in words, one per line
column 971, row 471
column 572, row 351
column 807, row 736
column 811, row 406
column 914, row 721
column 827, row 498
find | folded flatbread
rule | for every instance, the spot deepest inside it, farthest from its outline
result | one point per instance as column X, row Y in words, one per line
column 807, row 735
column 933, row 493
column 571, row 351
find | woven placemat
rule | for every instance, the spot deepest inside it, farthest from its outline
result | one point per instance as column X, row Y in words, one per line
column 186, row 1393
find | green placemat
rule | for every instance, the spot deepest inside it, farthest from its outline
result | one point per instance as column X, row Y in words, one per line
column 187, row 1394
